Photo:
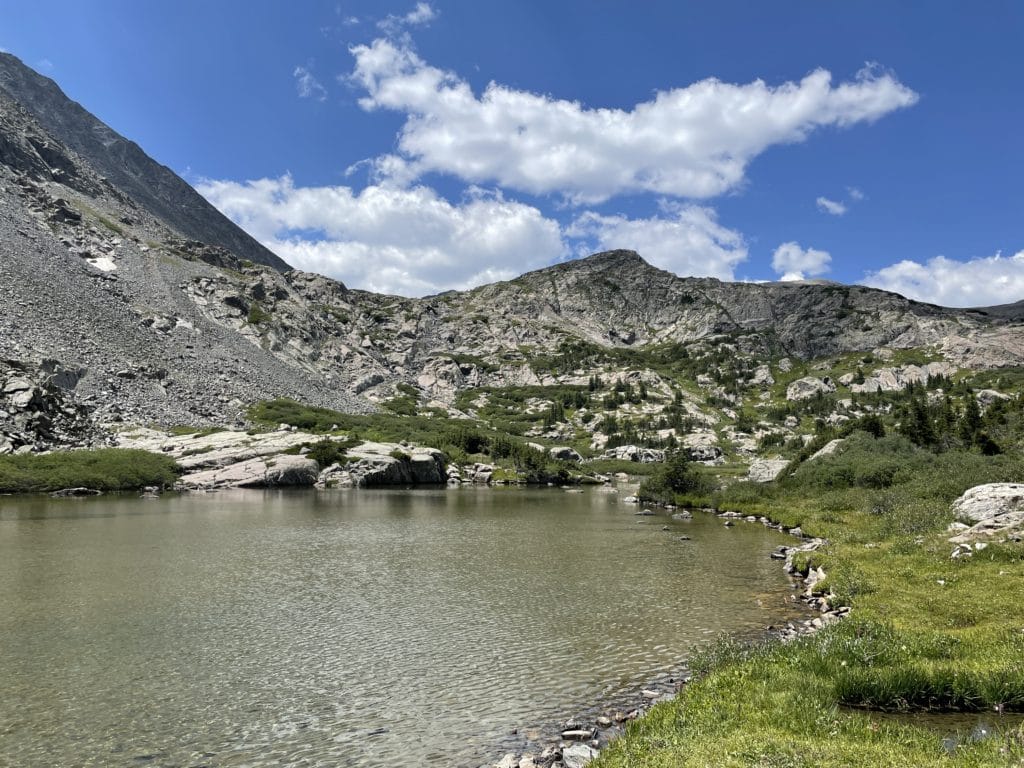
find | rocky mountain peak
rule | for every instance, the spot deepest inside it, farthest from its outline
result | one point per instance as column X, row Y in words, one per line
column 125, row 165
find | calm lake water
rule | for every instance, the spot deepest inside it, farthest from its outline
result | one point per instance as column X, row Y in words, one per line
column 347, row 628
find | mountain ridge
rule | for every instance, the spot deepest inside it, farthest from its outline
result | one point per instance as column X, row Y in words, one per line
column 171, row 330
column 126, row 165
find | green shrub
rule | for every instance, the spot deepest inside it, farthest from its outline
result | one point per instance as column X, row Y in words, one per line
column 107, row 469
column 257, row 314
column 327, row 452
column 675, row 476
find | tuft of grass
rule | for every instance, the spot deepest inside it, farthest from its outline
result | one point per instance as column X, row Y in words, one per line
column 257, row 314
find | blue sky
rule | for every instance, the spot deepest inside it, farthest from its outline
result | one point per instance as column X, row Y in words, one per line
column 412, row 147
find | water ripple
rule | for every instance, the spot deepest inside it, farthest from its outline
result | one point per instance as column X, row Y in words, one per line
column 353, row 629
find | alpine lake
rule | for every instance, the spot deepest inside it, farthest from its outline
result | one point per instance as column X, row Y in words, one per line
column 426, row 627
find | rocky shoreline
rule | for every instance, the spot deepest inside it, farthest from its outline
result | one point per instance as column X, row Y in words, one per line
column 576, row 741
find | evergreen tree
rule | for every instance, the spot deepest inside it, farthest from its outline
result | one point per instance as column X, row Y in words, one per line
column 970, row 420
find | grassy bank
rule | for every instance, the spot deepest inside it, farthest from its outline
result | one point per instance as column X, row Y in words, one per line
column 108, row 469
column 926, row 631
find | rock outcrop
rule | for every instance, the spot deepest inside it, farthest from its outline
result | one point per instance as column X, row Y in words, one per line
column 635, row 453
column 380, row 464
column 766, row 470
column 809, row 386
column 896, row 379
column 276, row 472
column 990, row 512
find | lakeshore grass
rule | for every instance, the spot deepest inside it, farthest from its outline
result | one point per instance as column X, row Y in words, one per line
column 926, row 632
column 105, row 469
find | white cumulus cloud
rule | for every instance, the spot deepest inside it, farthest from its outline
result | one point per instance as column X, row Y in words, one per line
column 694, row 141
column 831, row 206
column 307, row 85
column 685, row 239
column 979, row 282
column 409, row 241
column 793, row 262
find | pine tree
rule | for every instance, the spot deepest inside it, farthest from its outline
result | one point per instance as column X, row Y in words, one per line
column 970, row 421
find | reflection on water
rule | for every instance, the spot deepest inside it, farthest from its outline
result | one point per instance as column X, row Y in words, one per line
column 956, row 728
column 366, row 628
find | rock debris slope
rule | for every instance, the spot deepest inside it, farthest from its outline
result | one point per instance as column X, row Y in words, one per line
column 152, row 186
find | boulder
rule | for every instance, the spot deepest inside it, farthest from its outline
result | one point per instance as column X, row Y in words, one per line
column 702, row 446
column 578, row 755
column 291, row 471
column 762, row 377
column 983, row 502
column 635, row 453
column 809, row 386
column 564, row 453
column 993, row 510
column 986, row 397
column 827, row 450
column 376, row 464
column 766, row 470
column 367, row 382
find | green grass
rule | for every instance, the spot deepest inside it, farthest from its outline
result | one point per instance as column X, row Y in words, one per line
column 613, row 466
column 927, row 632
column 257, row 314
column 107, row 469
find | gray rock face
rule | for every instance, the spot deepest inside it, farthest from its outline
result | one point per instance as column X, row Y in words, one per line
column 379, row 464
column 896, row 379
column 564, row 453
column 988, row 396
column 766, row 470
column 36, row 414
column 702, row 446
column 809, row 386
column 983, row 502
column 278, row 471
column 826, row 450
column 578, row 755
column 635, row 453
column 996, row 511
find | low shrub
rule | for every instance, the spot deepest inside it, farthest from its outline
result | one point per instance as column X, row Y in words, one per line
column 107, row 469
